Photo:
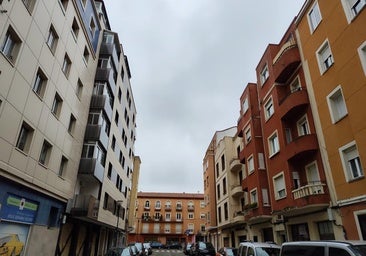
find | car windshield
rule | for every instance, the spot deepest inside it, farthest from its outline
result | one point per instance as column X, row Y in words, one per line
column 267, row 251
column 139, row 246
column 125, row 252
column 359, row 250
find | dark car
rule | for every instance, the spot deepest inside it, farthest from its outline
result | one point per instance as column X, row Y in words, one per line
column 120, row 251
column 174, row 245
column 203, row 249
column 228, row 251
column 156, row 245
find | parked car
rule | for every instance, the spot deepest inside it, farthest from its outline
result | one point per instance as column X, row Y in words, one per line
column 228, row 251
column 148, row 249
column 140, row 248
column 323, row 248
column 157, row 245
column 258, row 249
column 203, row 249
column 187, row 248
column 120, row 251
column 134, row 249
column 174, row 245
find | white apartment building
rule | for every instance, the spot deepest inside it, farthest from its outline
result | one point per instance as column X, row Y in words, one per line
column 67, row 128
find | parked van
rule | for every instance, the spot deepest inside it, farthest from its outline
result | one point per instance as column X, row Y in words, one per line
column 324, row 248
column 259, row 249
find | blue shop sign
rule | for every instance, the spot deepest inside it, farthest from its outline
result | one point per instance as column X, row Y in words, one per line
column 19, row 209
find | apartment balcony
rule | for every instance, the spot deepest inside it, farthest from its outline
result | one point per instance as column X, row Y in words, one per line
column 190, row 208
column 147, row 208
column 179, row 208
column 286, row 61
column 235, row 165
column 101, row 102
column 236, row 190
column 238, row 217
column 91, row 167
column 301, row 147
column 96, row 133
column 314, row 189
column 110, row 49
column 293, row 104
column 157, row 208
column 168, row 208
column 85, row 206
column 253, row 214
column 107, row 75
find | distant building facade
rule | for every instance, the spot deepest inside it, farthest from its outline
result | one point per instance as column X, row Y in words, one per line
column 168, row 218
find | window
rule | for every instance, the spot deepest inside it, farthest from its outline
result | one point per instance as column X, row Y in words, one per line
column 29, row 4
column 248, row 134
column 92, row 27
column 295, row 85
column 39, row 86
column 314, row 17
column 218, row 191
column 116, row 117
column 245, row 105
column 337, row 105
column 362, row 53
column 75, row 28
column 268, row 108
column 250, row 163
column 179, row 216
column 52, row 39
column 253, row 196
column 351, row 161
column 63, row 166
column 223, row 162
column 86, row 55
column 66, row 65
column 158, row 204
column 303, row 126
column 190, row 216
column 63, row 4
column 119, row 94
column 24, row 137
column 219, row 213
column 167, row 216
column 325, row 57
column 11, row 45
column 113, row 144
column 273, row 144
column 72, row 124
column 56, row 105
column 352, row 8
column 109, row 173
column 79, row 89
column 226, row 211
column 224, row 186
column 147, row 204
column 44, row 156
column 312, row 175
column 264, row 74
column 279, row 186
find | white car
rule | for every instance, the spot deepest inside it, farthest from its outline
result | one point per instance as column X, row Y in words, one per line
column 258, row 249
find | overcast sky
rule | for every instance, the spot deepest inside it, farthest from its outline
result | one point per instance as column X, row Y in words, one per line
column 190, row 61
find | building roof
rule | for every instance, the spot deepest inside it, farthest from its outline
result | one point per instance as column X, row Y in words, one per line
column 170, row 195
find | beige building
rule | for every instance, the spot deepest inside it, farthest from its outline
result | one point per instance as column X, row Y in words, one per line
column 67, row 128
column 168, row 218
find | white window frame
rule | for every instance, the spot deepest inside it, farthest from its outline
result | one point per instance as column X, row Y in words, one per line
column 268, row 108
column 295, row 85
column 11, row 45
column 66, row 65
column 352, row 8
column 254, row 196
column 52, row 39
column 250, row 164
column 264, row 74
column 279, row 186
column 350, row 151
column 303, row 126
column 248, row 134
column 40, row 82
column 362, row 52
column 168, row 216
column 273, row 144
column 314, row 17
column 337, row 105
column 245, row 105
column 325, row 59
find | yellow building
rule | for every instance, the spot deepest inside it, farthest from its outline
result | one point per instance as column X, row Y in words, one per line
column 332, row 42
column 168, row 218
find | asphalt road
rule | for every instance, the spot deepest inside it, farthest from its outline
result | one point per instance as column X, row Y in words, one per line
column 166, row 252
